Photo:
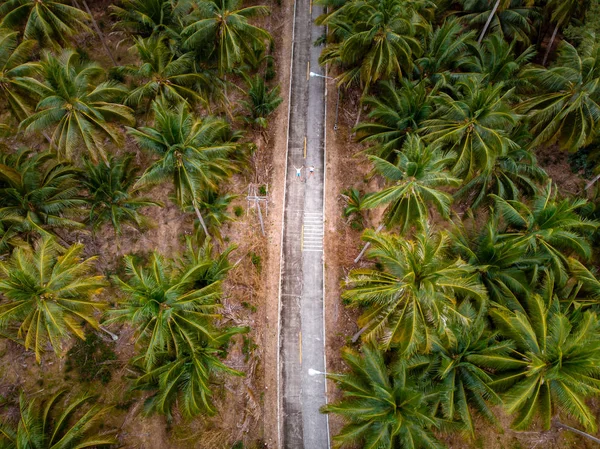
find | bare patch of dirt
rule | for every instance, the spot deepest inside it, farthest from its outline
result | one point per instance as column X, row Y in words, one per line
column 556, row 164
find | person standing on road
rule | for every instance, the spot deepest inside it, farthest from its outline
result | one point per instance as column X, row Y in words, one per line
column 299, row 173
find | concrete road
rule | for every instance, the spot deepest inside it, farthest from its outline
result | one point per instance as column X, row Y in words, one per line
column 302, row 332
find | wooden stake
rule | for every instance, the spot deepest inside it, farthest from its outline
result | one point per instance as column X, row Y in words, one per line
column 262, row 225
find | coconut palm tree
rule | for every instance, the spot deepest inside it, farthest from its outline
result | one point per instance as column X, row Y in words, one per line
column 461, row 367
column 415, row 291
column 165, row 76
column 54, row 423
column 475, row 126
column 566, row 104
column 378, row 40
column 551, row 228
column 223, row 27
column 47, row 293
column 395, row 112
column 171, row 303
column 38, row 194
column 511, row 19
column 556, row 362
column 382, row 406
column 184, row 380
column 447, row 53
column 145, row 18
column 77, row 105
column 417, row 177
column 14, row 65
column 496, row 60
column 213, row 207
column 262, row 101
column 501, row 265
column 513, row 174
column 49, row 22
column 196, row 154
column 561, row 13
column 112, row 197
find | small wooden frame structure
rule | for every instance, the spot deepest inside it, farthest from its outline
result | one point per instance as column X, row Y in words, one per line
column 255, row 200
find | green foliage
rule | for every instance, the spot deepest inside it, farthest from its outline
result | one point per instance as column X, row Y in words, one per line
column 224, row 29
column 413, row 293
column 566, row 105
column 112, row 197
column 49, row 22
column 78, row 104
column 238, row 211
column 256, row 261
column 417, row 179
column 57, row 424
column 382, row 407
column 91, row 359
column 47, row 294
column 38, row 195
column 262, row 101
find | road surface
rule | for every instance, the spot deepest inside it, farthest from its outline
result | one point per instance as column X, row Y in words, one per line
column 301, row 325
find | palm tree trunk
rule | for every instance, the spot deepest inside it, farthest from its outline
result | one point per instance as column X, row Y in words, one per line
column 98, row 32
column 489, row 20
column 201, row 219
column 379, row 228
column 550, row 43
column 577, row 431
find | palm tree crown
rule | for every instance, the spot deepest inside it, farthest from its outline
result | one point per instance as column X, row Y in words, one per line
column 49, row 22
column 224, row 28
column 417, row 176
column 415, row 291
column 38, row 194
column 51, row 424
column 77, row 105
column 383, row 408
column 567, row 109
column 46, row 290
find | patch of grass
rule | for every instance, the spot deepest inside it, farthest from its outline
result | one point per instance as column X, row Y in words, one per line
column 238, row 211
column 262, row 190
column 87, row 358
column 238, row 445
column 256, row 261
column 247, row 305
column 270, row 72
column 248, row 347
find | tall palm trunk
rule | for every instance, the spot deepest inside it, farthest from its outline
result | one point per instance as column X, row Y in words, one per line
column 201, row 219
column 97, row 28
column 550, row 43
column 489, row 20
column 577, row 431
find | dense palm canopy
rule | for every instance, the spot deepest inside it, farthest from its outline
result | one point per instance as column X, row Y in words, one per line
column 262, row 101
column 461, row 366
column 195, row 154
column 394, row 113
column 556, row 362
column 14, row 65
column 46, row 294
column 475, row 126
column 551, row 228
column 151, row 17
column 377, row 40
column 513, row 18
column 54, row 423
column 415, row 291
column 49, row 22
column 38, row 195
column 382, row 406
column 416, row 177
column 163, row 75
column 112, row 197
column 77, row 104
column 171, row 302
column 566, row 108
column 223, row 27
